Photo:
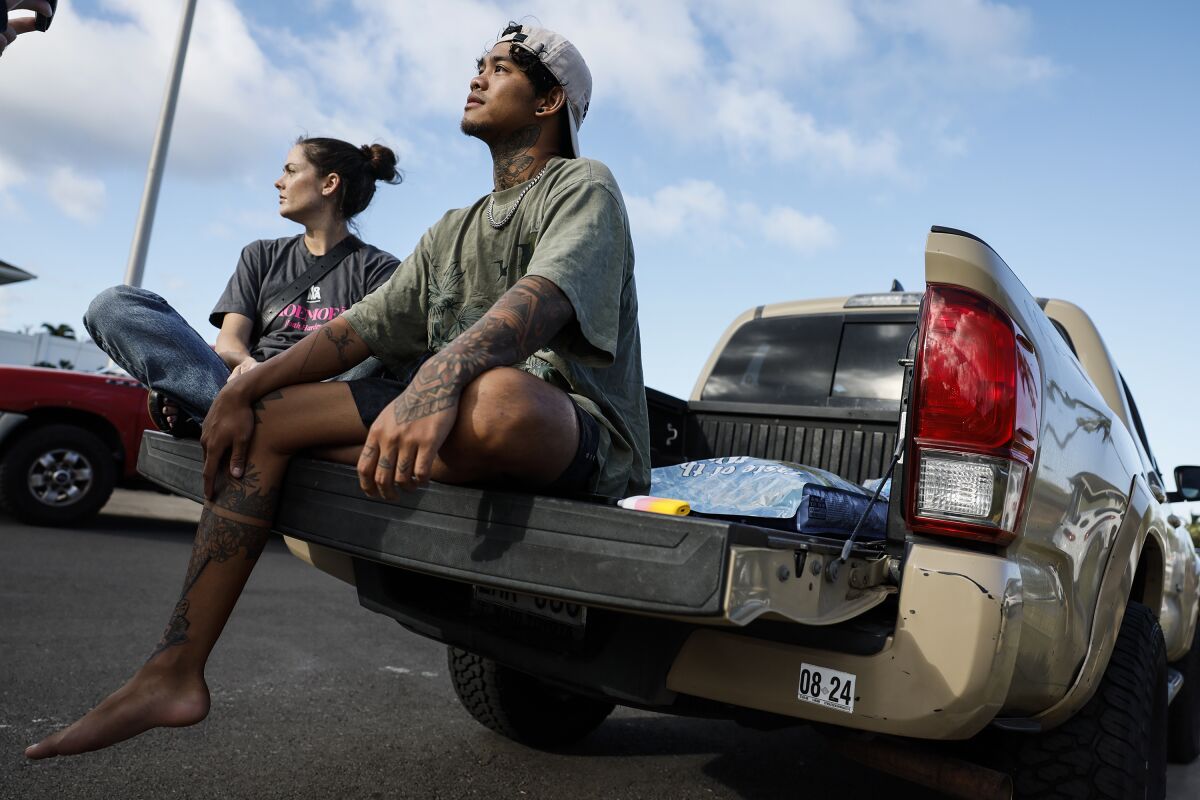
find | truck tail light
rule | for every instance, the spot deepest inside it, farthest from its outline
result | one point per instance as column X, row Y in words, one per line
column 976, row 419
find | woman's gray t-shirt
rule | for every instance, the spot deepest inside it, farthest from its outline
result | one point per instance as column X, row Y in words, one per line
column 269, row 265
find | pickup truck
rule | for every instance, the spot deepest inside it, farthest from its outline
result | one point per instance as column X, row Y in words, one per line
column 66, row 439
column 1034, row 593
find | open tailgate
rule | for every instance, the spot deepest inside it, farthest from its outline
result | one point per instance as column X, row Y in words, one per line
column 588, row 553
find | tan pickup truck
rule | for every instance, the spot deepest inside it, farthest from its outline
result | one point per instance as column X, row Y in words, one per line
column 1034, row 593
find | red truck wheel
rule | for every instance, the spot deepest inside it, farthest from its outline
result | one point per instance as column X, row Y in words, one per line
column 56, row 475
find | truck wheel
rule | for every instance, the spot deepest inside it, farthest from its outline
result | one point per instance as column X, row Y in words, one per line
column 1115, row 747
column 1183, row 719
column 56, row 475
column 520, row 706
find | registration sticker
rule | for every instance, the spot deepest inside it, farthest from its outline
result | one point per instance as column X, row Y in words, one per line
column 827, row 687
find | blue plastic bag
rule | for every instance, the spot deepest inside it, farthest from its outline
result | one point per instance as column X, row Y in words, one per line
column 776, row 494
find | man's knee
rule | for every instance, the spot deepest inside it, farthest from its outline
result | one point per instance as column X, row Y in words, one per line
column 506, row 406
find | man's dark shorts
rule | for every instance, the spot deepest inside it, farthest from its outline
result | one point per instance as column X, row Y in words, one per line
column 372, row 395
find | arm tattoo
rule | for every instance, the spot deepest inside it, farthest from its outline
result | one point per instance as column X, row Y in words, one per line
column 521, row 322
column 310, row 345
column 510, row 158
column 261, row 404
column 341, row 343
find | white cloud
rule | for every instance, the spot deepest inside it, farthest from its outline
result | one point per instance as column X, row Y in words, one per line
column 664, row 86
column 981, row 39
column 12, row 174
column 761, row 79
column 804, row 233
column 702, row 211
column 673, row 209
column 771, row 41
column 763, row 120
column 79, row 197
column 94, row 88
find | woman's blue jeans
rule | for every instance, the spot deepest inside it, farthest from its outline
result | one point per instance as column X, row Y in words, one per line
column 150, row 340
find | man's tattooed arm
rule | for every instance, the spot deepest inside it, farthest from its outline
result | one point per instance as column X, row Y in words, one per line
column 522, row 321
column 328, row 351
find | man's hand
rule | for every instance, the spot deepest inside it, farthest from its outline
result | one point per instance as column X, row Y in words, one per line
column 227, row 429
column 403, row 442
column 242, row 368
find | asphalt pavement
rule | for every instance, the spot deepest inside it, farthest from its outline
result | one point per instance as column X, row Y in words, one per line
column 316, row 697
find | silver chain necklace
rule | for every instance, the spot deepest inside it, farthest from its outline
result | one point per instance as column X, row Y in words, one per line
column 513, row 209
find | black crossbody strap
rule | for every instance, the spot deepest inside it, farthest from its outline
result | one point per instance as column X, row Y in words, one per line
column 308, row 278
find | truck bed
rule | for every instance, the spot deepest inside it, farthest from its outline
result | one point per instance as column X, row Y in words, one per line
column 856, row 444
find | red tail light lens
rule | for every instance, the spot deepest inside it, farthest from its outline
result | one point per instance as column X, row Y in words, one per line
column 968, row 371
column 975, row 431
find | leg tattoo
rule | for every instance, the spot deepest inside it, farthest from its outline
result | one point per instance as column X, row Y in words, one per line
column 220, row 538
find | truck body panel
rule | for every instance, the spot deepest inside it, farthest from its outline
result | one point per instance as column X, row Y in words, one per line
column 115, row 401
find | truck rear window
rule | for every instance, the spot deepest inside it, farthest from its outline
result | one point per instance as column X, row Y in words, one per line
column 826, row 360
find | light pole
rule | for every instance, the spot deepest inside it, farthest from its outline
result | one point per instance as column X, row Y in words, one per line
column 141, row 234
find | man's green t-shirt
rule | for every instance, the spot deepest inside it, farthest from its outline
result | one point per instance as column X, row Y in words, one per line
column 571, row 228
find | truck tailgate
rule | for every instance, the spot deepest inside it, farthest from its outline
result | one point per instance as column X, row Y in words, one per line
column 588, row 553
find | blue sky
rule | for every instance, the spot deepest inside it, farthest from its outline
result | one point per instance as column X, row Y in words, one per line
column 767, row 151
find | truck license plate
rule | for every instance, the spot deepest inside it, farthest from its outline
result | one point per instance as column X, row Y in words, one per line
column 827, row 687
column 571, row 614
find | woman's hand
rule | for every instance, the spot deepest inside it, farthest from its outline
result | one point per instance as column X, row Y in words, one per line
column 242, row 368
column 227, row 429
column 403, row 442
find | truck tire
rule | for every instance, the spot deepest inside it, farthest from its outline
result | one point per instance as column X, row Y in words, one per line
column 1183, row 718
column 1115, row 747
column 56, row 475
column 520, row 706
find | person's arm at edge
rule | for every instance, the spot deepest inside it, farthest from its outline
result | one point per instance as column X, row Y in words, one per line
column 524, row 320
column 233, row 340
column 328, row 351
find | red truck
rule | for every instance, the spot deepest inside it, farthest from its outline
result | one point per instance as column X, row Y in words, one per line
column 66, row 439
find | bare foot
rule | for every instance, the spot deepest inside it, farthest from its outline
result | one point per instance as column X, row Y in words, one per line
column 152, row 698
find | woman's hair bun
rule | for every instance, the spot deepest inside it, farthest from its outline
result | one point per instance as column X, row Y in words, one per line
column 359, row 168
column 382, row 162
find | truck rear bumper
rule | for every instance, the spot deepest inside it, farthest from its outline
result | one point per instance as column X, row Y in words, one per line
column 944, row 673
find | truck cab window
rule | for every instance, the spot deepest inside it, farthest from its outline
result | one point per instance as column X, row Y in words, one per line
column 868, row 362
column 826, row 360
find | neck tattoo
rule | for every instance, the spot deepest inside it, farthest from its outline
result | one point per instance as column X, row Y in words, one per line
column 498, row 224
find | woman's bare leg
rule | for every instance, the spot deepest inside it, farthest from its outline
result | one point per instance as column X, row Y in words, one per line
column 169, row 689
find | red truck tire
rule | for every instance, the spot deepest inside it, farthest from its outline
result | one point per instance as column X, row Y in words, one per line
column 56, row 475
